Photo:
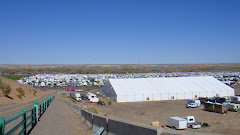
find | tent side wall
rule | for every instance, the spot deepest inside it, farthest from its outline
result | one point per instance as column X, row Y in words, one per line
column 108, row 91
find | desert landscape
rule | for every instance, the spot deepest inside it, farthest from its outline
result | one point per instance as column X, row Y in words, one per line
column 148, row 112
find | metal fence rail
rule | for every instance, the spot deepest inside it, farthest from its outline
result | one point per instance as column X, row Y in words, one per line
column 36, row 112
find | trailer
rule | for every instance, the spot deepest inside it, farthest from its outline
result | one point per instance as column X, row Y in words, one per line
column 209, row 106
column 177, row 122
column 220, row 108
column 75, row 95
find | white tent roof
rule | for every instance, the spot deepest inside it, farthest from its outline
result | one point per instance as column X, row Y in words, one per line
column 167, row 85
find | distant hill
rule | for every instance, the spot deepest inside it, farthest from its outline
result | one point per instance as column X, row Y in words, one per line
column 13, row 92
column 28, row 70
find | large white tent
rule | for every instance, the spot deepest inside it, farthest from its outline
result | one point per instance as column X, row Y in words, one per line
column 165, row 88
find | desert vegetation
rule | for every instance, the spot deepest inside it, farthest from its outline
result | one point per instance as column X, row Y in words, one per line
column 5, row 88
column 12, row 92
column 19, row 71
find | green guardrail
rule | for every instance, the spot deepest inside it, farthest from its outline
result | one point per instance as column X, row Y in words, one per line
column 36, row 112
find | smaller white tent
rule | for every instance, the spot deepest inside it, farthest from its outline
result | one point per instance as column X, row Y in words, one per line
column 170, row 88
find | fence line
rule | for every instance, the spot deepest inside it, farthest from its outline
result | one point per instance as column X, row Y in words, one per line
column 36, row 113
column 112, row 126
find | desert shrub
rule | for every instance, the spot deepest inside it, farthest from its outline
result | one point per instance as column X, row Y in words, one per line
column 21, row 91
column 6, row 89
column 19, row 96
column 34, row 92
column 72, row 100
column 1, row 84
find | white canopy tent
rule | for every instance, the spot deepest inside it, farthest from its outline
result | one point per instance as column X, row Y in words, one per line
column 165, row 88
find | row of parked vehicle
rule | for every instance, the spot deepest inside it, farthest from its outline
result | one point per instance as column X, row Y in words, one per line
column 217, row 104
column 89, row 96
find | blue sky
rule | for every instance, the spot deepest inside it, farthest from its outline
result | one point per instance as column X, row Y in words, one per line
column 119, row 31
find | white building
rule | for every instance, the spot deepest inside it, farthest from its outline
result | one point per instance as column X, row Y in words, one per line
column 165, row 88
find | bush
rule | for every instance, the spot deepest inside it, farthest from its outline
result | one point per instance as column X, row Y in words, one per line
column 21, row 91
column 19, row 96
column 1, row 84
column 6, row 89
column 34, row 92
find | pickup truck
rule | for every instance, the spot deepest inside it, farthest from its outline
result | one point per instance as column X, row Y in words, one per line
column 191, row 123
column 194, row 125
column 192, row 105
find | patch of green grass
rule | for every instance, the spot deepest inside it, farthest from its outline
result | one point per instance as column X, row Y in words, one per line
column 14, row 77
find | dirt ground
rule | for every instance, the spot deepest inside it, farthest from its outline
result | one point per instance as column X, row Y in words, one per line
column 30, row 93
column 147, row 112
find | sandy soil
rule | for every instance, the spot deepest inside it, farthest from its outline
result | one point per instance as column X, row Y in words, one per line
column 147, row 112
column 28, row 90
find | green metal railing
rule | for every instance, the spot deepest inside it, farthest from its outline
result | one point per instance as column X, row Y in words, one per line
column 36, row 112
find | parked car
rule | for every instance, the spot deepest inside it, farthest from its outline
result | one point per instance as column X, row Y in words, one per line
column 192, row 105
column 84, row 98
column 191, row 123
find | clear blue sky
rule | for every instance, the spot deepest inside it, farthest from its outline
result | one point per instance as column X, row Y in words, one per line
column 119, row 31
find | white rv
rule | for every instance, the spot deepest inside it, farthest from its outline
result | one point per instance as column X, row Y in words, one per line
column 177, row 122
column 92, row 97
column 75, row 95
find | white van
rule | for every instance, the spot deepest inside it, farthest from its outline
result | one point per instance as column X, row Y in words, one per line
column 196, row 101
column 75, row 95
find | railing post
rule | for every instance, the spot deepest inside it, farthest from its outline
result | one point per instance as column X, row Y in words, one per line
column 40, row 110
column 33, row 117
column 24, row 125
column 2, row 125
column 48, row 101
column 45, row 104
column 36, row 111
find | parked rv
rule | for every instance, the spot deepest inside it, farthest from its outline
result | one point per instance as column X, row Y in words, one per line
column 223, row 99
column 209, row 106
column 75, row 95
column 92, row 97
column 177, row 122
column 191, row 123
